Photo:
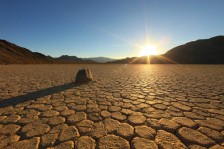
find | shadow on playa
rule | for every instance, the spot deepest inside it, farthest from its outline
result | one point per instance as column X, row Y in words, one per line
column 37, row 94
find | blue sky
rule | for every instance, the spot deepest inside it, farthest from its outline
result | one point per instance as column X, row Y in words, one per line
column 110, row 28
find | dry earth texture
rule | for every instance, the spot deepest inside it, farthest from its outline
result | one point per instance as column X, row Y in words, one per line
column 126, row 106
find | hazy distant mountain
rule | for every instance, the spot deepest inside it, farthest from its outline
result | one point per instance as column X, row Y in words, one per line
column 13, row 54
column 100, row 59
column 130, row 60
column 72, row 59
column 206, row 51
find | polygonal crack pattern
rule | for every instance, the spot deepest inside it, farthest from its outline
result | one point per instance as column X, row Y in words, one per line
column 126, row 106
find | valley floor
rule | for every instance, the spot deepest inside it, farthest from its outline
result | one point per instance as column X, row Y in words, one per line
column 126, row 106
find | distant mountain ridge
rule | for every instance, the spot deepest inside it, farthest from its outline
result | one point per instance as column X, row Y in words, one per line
column 72, row 59
column 100, row 59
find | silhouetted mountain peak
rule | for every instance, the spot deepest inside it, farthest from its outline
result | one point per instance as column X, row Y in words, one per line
column 203, row 51
column 12, row 54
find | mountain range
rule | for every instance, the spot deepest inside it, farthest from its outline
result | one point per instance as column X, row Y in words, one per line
column 72, row 59
column 100, row 59
column 205, row 51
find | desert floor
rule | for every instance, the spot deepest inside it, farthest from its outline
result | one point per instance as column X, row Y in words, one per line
column 126, row 106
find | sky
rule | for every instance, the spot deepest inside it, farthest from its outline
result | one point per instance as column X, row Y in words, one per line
column 109, row 28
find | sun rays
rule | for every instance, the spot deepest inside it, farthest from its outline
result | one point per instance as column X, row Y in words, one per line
column 144, row 54
column 148, row 51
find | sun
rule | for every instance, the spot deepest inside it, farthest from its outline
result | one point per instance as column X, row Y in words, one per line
column 148, row 50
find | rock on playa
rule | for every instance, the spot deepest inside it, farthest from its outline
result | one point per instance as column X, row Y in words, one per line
column 83, row 76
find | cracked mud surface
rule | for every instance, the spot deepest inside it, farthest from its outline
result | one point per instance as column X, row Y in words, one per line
column 126, row 106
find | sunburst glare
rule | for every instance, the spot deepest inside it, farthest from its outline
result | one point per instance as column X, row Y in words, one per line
column 148, row 50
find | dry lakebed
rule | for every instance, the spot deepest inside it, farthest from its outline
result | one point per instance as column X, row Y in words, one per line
column 125, row 106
